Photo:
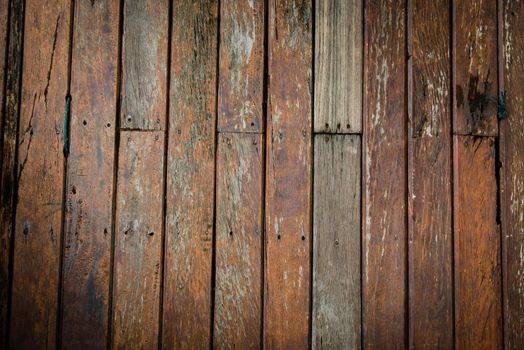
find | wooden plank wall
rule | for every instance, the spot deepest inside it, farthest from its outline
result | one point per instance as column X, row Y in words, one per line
column 262, row 174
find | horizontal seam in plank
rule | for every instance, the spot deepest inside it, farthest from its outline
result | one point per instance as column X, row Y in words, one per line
column 474, row 135
column 141, row 130
column 242, row 132
column 336, row 133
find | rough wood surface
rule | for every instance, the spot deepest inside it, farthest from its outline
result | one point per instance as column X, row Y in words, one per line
column 288, row 181
column 89, row 192
column 478, row 304
column 144, row 62
column 338, row 66
column 238, row 295
column 190, row 176
column 475, row 67
column 384, row 177
column 241, row 65
column 138, row 240
column 336, row 242
column 430, row 225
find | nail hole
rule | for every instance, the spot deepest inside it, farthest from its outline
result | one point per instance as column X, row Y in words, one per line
column 150, row 233
column 84, row 122
column 278, row 237
column 231, row 233
column 108, row 125
column 303, row 238
column 348, row 126
column 327, row 125
column 252, row 124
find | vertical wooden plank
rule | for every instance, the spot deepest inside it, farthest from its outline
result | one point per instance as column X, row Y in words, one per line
column 40, row 173
column 238, row 305
column 384, row 176
column 338, row 66
column 288, row 185
column 241, row 65
column 512, row 173
column 475, row 67
column 478, row 307
column 336, row 242
column 430, row 225
column 86, row 271
column 190, row 176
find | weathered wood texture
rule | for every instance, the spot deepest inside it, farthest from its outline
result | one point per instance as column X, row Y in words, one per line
column 478, row 304
column 144, row 63
column 190, row 176
column 241, row 65
column 138, row 240
column 430, row 226
column 238, row 295
column 512, row 173
column 89, row 192
column 36, row 266
column 338, row 66
column 288, row 181
column 384, row 177
column 475, row 67
column 336, row 242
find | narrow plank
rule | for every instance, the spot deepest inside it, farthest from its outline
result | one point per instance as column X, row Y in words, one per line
column 138, row 240
column 338, row 66
column 144, row 64
column 430, row 225
column 475, row 67
column 86, row 271
column 384, row 177
column 190, row 176
column 241, row 65
column 478, row 304
column 512, row 173
column 40, row 175
column 238, row 295
column 288, row 182
column 336, row 242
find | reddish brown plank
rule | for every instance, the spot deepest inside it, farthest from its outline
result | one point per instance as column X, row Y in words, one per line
column 430, row 225
column 241, row 65
column 478, row 305
column 89, row 193
column 288, row 182
column 384, row 177
column 190, row 176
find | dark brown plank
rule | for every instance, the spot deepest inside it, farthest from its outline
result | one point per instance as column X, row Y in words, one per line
column 430, row 225
column 475, row 67
column 288, row 182
column 241, row 65
column 384, row 177
column 190, row 176
column 478, row 300
column 86, row 271
column 512, row 173
column 336, row 242
column 238, row 295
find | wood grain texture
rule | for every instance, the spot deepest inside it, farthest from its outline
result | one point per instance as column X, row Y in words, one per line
column 430, row 191
column 138, row 240
column 89, row 195
column 336, row 242
column 144, row 64
column 512, row 173
column 478, row 304
column 40, row 176
column 241, row 65
column 190, row 176
column 238, row 294
column 384, row 177
column 338, row 66
column 288, row 181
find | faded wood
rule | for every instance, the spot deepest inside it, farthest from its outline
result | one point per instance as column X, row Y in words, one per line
column 241, row 65
column 238, row 295
column 430, row 225
column 338, row 66
column 190, row 176
column 288, row 181
column 336, row 237
column 478, row 304
column 384, row 177
column 475, row 67
column 89, row 192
